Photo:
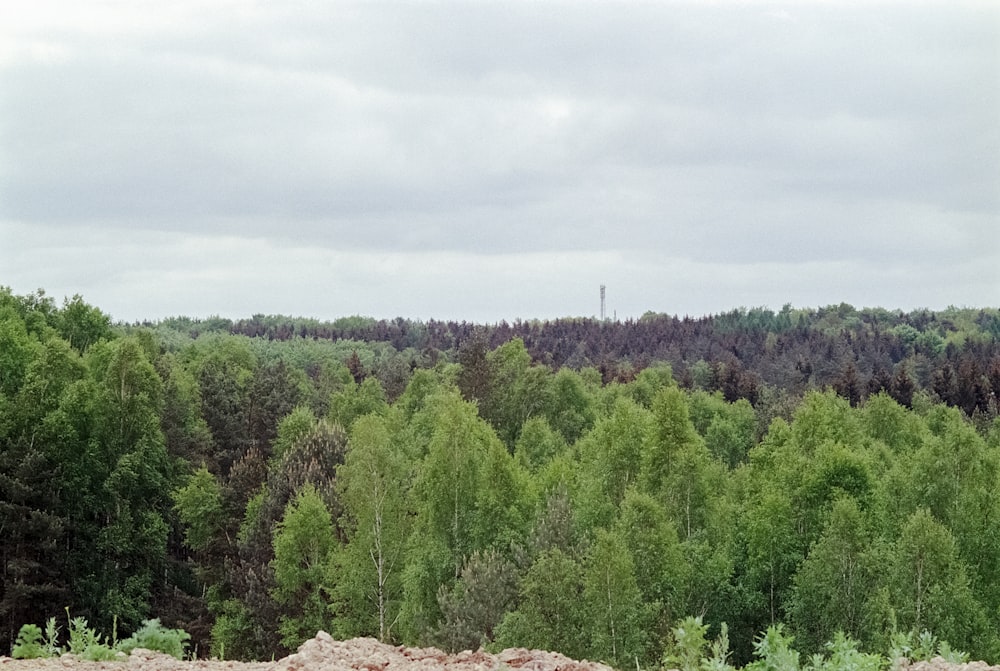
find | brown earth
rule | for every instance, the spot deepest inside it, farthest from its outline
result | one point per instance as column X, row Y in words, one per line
column 322, row 652
column 938, row 664
column 367, row 654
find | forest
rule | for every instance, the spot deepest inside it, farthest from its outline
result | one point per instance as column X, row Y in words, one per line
column 574, row 485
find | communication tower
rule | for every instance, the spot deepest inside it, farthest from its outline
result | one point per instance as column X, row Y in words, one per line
column 602, row 302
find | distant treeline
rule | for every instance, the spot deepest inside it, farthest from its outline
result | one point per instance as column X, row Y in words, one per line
column 955, row 353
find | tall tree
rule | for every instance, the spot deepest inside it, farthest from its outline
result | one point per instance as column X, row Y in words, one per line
column 834, row 582
column 82, row 325
column 773, row 550
column 372, row 483
column 134, row 477
column 303, row 541
column 224, row 379
column 677, row 467
column 661, row 570
column 617, row 618
column 445, row 498
column 475, row 605
column 549, row 616
column 929, row 586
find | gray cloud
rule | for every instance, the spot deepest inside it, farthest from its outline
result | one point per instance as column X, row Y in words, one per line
column 734, row 137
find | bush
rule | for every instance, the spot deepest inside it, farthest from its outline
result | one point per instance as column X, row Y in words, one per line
column 31, row 645
column 86, row 643
column 154, row 636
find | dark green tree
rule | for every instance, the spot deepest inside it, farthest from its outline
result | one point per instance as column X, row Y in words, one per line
column 475, row 605
column 549, row 616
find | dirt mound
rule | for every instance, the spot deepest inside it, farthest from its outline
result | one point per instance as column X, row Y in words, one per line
column 324, row 653
column 939, row 664
column 367, row 654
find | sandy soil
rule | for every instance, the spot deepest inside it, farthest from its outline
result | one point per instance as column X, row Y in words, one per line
column 322, row 652
column 366, row 654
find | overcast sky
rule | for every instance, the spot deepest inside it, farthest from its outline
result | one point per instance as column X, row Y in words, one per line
column 488, row 161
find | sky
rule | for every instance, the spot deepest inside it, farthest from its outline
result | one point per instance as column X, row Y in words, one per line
column 484, row 161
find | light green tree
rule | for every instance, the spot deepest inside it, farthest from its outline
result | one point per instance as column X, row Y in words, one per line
column 661, row 570
column 570, row 410
column 929, row 586
column 613, row 451
column 773, row 549
column 446, row 498
column 357, row 400
column 617, row 618
column 537, row 444
column 303, row 541
column 199, row 505
column 518, row 390
column 372, row 483
column 833, row 584
column 677, row 467
column 292, row 428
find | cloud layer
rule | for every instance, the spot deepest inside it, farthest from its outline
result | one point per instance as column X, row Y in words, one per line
column 501, row 160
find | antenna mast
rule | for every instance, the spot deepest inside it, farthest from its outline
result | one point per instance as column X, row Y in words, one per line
column 602, row 302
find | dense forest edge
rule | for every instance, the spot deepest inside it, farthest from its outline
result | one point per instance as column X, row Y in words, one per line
column 598, row 488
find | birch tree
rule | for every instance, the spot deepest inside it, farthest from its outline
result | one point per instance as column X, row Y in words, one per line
column 372, row 491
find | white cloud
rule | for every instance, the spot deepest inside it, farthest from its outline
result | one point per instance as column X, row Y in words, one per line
column 468, row 147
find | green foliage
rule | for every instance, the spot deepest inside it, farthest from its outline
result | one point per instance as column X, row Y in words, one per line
column 372, row 484
column 687, row 646
column 537, row 444
column 199, row 506
column 591, row 511
column 613, row 451
column 923, row 646
column 929, row 587
column 303, row 542
column 473, row 608
column 660, row 566
column 87, row 644
column 834, row 582
column 357, row 400
column 30, row 644
column 232, row 631
column 719, row 652
column 154, row 636
column 845, row 655
column 774, row 651
column 570, row 410
column 617, row 619
column 83, row 325
column 549, row 616
column 451, row 478
column 292, row 428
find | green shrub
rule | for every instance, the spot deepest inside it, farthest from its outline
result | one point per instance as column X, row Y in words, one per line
column 845, row 656
column 29, row 643
column 774, row 651
column 688, row 645
column 922, row 647
column 86, row 643
column 154, row 636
